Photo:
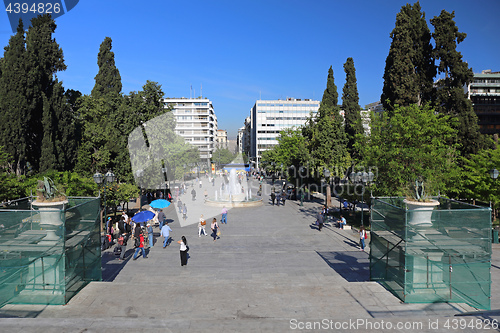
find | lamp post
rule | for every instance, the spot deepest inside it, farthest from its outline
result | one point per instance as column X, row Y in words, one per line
column 326, row 173
column 363, row 178
column 101, row 180
column 494, row 175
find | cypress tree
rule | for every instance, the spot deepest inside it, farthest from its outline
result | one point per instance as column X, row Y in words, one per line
column 44, row 60
column 451, row 98
column 330, row 97
column 108, row 78
column 409, row 68
column 14, row 115
column 350, row 104
column 328, row 144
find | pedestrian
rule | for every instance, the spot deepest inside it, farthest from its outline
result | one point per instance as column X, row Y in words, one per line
column 283, row 197
column 224, row 215
column 140, row 247
column 183, row 250
column 165, row 232
column 125, row 230
column 201, row 183
column 205, row 193
column 273, row 197
column 201, row 226
column 179, row 206
column 150, row 234
column 184, row 212
column 319, row 220
column 161, row 219
column 214, row 226
column 193, row 194
column 362, row 237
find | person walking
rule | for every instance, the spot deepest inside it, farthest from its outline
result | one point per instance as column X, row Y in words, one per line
column 140, row 247
column 362, row 237
column 273, row 197
column 201, row 226
column 283, row 198
column 193, row 194
column 150, row 234
column 165, row 232
column 214, row 226
column 183, row 250
column 161, row 219
column 224, row 215
column 124, row 235
column 179, row 206
column 184, row 212
column 319, row 220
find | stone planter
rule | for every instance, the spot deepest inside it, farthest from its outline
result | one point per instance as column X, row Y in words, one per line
column 50, row 217
column 422, row 212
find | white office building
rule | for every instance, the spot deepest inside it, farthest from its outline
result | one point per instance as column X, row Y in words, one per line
column 269, row 117
column 196, row 123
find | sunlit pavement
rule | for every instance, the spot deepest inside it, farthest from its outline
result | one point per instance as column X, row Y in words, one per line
column 271, row 270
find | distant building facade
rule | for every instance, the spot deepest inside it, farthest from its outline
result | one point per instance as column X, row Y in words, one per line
column 196, row 123
column 269, row 117
column 221, row 139
column 239, row 140
column 484, row 92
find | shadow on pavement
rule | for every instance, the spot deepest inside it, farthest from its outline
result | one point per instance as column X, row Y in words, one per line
column 111, row 266
column 352, row 266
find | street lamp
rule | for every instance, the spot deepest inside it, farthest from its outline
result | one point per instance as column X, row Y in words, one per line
column 101, row 180
column 494, row 176
column 363, row 178
column 326, row 173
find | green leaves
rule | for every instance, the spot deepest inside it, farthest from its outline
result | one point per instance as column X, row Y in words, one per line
column 411, row 143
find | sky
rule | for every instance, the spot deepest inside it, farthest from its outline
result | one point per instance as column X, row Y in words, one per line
column 236, row 52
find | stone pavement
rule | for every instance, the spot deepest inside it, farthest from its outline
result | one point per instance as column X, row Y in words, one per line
column 270, row 271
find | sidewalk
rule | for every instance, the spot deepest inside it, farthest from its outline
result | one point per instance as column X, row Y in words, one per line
column 270, row 271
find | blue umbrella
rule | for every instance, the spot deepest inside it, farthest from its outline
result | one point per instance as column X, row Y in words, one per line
column 159, row 203
column 143, row 216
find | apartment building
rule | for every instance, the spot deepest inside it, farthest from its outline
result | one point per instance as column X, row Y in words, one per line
column 196, row 123
column 221, row 139
column 269, row 117
column 484, row 92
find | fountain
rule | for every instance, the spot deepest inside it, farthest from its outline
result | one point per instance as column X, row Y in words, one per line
column 233, row 194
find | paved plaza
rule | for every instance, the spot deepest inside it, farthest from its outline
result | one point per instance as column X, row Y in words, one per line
column 270, row 271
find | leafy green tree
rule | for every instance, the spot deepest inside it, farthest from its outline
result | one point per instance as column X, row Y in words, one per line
column 476, row 179
column 451, row 98
column 412, row 142
column 98, row 115
column 14, row 115
column 108, row 78
column 350, row 104
column 409, row 67
column 222, row 156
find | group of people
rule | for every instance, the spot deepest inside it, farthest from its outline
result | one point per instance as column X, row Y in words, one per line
column 280, row 197
column 127, row 230
column 322, row 216
column 214, row 226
